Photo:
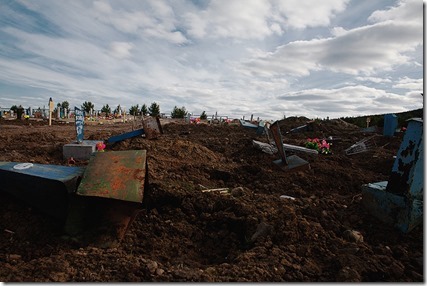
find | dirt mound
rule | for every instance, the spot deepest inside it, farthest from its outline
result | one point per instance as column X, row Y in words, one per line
column 245, row 233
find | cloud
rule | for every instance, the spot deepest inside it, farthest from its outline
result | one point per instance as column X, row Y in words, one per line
column 257, row 19
column 409, row 83
column 364, row 50
column 155, row 19
column 266, row 58
column 351, row 99
column 103, row 7
column 301, row 14
column 231, row 19
column 373, row 79
column 406, row 11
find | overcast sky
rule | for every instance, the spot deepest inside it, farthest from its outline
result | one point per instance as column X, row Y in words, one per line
column 328, row 58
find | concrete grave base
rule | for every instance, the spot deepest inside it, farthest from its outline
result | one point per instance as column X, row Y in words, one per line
column 80, row 151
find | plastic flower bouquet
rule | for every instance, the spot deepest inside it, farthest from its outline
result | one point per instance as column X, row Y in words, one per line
column 322, row 146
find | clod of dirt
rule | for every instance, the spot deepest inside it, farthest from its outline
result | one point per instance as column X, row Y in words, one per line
column 353, row 235
column 347, row 274
column 237, row 192
column 263, row 229
column 14, row 257
column 152, row 266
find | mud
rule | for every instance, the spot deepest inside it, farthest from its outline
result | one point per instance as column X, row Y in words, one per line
column 246, row 233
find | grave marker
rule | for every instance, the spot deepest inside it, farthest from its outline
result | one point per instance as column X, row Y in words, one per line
column 50, row 110
column 399, row 201
column 292, row 162
column 79, row 118
column 80, row 149
column 390, row 125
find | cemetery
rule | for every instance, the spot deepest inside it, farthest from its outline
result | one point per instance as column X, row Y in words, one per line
column 166, row 200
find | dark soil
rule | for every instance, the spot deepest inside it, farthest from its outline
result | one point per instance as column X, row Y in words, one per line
column 247, row 234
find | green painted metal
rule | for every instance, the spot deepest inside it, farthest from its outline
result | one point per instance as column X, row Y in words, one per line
column 117, row 175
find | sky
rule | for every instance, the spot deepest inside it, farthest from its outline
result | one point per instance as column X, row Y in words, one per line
column 267, row 58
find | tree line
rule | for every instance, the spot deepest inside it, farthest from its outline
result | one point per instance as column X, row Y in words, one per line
column 378, row 119
column 135, row 110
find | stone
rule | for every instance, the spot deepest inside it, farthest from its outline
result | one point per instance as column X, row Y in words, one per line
column 353, row 235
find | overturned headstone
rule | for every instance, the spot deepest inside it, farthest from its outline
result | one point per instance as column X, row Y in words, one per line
column 45, row 187
column 286, row 163
column 151, row 130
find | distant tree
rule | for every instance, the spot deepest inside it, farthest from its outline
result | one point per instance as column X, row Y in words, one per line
column 19, row 110
column 117, row 110
column 88, row 106
column 154, row 109
column 144, row 110
column 134, row 110
column 178, row 112
column 106, row 109
column 55, row 111
column 203, row 116
column 65, row 105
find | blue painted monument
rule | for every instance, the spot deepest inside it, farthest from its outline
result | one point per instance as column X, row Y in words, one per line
column 390, row 125
column 399, row 201
column 79, row 117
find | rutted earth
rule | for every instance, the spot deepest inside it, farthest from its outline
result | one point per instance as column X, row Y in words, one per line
column 247, row 234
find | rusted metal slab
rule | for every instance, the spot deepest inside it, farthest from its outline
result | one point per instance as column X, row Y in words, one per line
column 108, row 198
column 45, row 187
column 115, row 175
column 98, row 221
column 152, row 127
